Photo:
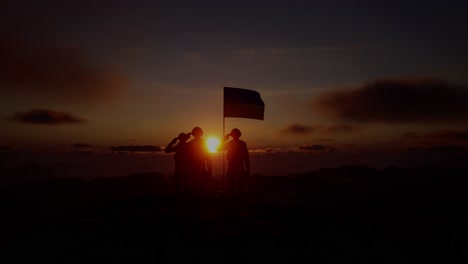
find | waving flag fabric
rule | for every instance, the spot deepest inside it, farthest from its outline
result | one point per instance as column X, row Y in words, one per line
column 243, row 103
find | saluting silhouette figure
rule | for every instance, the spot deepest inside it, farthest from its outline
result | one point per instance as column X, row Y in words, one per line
column 182, row 161
column 238, row 161
column 200, row 161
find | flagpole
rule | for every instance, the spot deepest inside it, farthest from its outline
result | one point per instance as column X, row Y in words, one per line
column 222, row 138
column 222, row 187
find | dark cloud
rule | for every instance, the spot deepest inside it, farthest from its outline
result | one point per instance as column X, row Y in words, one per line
column 439, row 136
column 316, row 148
column 446, row 149
column 137, row 148
column 425, row 100
column 298, row 129
column 309, row 149
column 81, row 145
column 45, row 117
column 38, row 68
column 302, row 130
column 269, row 150
column 450, row 135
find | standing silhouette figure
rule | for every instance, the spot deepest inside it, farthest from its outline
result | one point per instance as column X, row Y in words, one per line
column 182, row 161
column 238, row 161
column 200, row 161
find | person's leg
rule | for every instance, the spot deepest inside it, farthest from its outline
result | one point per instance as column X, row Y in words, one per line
column 230, row 177
column 240, row 181
column 176, row 182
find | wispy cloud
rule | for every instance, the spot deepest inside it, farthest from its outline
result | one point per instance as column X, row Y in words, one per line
column 303, row 130
column 305, row 148
column 316, row 148
column 53, row 71
column 445, row 149
column 45, row 117
column 437, row 137
column 192, row 56
column 450, row 134
column 136, row 148
column 282, row 51
column 263, row 51
column 298, row 129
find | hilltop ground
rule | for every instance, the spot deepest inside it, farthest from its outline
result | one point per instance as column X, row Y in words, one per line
column 348, row 213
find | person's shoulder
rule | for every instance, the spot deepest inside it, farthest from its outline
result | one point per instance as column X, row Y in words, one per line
column 243, row 145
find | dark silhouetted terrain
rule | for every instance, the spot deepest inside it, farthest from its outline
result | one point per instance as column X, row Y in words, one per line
column 347, row 213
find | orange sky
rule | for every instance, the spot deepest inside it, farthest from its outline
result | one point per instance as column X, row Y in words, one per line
column 337, row 74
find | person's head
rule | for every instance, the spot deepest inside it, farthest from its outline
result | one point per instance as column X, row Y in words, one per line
column 197, row 132
column 183, row 137
column 235, row 133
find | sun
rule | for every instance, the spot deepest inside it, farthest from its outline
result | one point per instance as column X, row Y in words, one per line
column 212, row 144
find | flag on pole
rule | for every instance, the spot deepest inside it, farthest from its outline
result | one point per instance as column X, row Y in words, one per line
column 243, row 103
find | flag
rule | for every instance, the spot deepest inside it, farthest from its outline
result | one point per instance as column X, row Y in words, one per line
column 243, row 103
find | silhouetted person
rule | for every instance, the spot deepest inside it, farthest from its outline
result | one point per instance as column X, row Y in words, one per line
column 238, row 161
column 200, row 165
column 182, row 161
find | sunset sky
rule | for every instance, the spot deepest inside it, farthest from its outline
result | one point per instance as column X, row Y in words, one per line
column 346, row 75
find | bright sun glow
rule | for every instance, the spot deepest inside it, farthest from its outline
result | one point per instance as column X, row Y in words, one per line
column 213, row 144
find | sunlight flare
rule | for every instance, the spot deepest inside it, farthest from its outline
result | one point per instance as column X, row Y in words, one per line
column 213, row 144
